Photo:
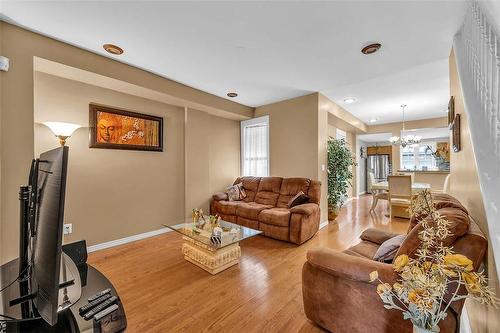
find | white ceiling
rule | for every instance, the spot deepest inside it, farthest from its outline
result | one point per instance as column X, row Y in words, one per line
column 270, row 51
column 377, row 137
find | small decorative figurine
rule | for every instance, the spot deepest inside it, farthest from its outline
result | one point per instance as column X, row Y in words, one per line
column 216, row 238
column 214, row 220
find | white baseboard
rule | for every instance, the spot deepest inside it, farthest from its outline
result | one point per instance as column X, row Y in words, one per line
column 362, row 193
column 323, row 224
column 125, row 240
column 464, row 321
column 349, row 199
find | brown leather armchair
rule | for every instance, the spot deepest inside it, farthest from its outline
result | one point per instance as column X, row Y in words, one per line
column 339, row 297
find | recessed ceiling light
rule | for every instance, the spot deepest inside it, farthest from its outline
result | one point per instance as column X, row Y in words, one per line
column 371, row 48
column 113, row 49
column 232, row 94
column 349, row 100
column 373, row 120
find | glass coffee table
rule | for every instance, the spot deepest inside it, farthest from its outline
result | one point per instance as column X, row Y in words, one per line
column 211, row 252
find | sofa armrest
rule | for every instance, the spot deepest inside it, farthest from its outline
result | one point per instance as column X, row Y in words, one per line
column 377, row 236
column 305, row 209
column 350, row 267
column 219, row 196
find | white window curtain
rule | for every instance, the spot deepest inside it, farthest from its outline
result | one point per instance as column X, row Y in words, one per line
column 255, row 147
column 340, row 134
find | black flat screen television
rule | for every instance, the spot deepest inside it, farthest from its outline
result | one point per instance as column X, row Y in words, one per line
column 48, row 225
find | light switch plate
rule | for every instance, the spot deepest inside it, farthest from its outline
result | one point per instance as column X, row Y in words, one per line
column 68, row 229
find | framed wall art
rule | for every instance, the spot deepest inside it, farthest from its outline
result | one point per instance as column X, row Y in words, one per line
column 456, row 134
column 451, row 111
column 112, row 128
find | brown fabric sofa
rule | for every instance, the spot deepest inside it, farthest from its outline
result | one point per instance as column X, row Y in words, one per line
column 266, row 207
column 337, row 293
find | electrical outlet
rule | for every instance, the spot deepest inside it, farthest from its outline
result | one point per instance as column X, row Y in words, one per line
column 68, row 229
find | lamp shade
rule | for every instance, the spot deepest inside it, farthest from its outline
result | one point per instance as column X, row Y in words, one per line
column 62, row 129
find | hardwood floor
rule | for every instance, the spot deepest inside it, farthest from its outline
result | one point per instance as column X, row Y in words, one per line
column 162, row 292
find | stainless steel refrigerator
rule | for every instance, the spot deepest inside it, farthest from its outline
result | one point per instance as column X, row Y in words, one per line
column 379, row 165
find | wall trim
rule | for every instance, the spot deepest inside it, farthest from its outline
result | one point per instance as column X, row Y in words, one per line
column 126, row 240
column 323, row 224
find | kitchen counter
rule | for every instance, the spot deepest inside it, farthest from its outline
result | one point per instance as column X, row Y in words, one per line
column 436, row 178
column 426, row 171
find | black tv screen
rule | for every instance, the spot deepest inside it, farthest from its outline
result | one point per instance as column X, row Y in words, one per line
column 51, row 185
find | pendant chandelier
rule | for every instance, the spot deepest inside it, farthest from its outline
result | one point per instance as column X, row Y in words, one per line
column 404, row 140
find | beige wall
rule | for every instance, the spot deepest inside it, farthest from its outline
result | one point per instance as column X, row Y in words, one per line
column 111, row 193
column 297, row 140
column 17, row 104
column 293, row 136
column 212, row 157
column 464, row 185
column 395, row 129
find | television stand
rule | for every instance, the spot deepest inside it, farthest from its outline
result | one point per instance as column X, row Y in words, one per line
column 87, row 281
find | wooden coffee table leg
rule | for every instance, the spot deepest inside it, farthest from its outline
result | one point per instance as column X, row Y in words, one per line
column 213, row 261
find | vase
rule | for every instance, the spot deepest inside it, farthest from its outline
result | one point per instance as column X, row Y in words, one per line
column 332, row 214
column 417, row 329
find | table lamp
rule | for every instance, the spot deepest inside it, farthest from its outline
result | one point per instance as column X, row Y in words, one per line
column 62, row 130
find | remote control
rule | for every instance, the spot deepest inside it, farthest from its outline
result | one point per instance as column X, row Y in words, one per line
column 105, row 312
column 99, row 294
column 100, row 307
column 94, row 303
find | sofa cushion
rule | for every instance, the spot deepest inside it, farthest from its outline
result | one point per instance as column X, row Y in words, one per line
column 269, row 189
column 459, row 225
column 250, row 210
column 274, row 231
column 251, row 186
column 388, row 249
column 314, row 192
column 299, row 199
column 249, row 223
column 226, row 207
column 229, row 218
column 236, row 192
column 275, row 216
column 363, row 249
column 440, row 200
column 289, row 188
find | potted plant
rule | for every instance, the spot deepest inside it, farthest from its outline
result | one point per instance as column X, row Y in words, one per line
column 422, row 291
column 340, row 161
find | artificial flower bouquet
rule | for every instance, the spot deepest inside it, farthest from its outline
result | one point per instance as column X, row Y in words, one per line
column 426, row 278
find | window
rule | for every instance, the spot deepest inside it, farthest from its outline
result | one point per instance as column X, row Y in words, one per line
column 255, row 147
column 340, row 134
column 418, row 156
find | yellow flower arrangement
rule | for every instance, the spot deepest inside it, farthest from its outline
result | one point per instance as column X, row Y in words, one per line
column 428, row 277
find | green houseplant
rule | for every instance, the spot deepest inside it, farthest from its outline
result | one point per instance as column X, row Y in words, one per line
column 340, row 161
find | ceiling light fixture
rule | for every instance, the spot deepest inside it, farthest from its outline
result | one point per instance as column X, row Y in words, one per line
column 232, row 94
column 371, row 48
column 373, row 120
column 113, row 49
column 405, row 140
column 349, row 100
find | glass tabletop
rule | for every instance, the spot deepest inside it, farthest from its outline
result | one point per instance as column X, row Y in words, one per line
column 203, row 232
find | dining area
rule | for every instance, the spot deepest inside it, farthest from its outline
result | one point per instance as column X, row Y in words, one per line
column 398, row 191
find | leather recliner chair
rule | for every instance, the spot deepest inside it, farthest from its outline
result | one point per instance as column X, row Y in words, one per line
column 337, row 292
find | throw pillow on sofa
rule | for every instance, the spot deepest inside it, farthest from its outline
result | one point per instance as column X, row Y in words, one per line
column 299, row 199
column 236, row 192
column 388, row 249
